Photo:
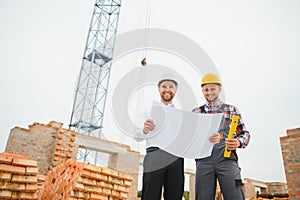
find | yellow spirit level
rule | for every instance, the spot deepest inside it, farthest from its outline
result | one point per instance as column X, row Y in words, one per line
column 232, row 130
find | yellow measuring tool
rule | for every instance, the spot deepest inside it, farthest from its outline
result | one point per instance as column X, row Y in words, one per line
column 232, row 130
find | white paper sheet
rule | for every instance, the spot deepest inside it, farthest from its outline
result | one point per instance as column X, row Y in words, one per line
column 181, row 133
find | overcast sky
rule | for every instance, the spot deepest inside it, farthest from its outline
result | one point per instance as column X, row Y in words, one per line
column 254, row 44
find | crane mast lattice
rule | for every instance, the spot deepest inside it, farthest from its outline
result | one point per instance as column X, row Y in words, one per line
column 92, row 85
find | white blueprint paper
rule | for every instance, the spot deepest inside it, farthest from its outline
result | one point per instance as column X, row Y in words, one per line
column 182, row 133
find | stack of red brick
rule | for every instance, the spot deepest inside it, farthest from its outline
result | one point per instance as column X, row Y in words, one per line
column 18, row 177
column 74, row 180
column 64, row 146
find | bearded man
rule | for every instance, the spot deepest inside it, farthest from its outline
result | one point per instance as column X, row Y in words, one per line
column 161, row 169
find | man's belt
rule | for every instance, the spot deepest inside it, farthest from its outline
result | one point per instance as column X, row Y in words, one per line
column 151, row 149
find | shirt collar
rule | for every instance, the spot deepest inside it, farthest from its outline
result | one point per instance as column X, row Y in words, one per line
column 215, row 105
column 169, row 105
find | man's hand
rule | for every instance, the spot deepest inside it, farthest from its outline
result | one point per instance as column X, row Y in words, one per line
column 148, row 126
column 232, row 143
column 215, row 139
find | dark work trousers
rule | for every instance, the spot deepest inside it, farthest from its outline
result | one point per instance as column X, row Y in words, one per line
column 226, row 170
column 162, row 169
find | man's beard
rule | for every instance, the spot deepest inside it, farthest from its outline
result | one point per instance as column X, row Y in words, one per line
column 168, row 98
column 212, row 100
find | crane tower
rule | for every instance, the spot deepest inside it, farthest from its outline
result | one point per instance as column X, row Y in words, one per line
column 92, row 85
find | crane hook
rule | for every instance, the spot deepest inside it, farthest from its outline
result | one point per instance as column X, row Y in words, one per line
column 143, row 62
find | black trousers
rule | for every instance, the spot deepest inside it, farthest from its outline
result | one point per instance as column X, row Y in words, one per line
column 162, row 169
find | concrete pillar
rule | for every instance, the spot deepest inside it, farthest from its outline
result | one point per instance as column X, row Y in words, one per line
column 192, row 187
column 127, row 163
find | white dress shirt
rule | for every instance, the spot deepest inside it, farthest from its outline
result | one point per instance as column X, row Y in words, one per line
column 139, row 135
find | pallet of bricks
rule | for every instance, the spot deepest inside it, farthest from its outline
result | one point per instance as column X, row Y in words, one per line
column 75, row 180
column 18, row 177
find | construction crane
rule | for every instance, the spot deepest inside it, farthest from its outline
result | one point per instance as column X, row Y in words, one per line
column 92, row 85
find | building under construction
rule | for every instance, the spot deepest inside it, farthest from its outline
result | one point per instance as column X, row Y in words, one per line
column 40, row 163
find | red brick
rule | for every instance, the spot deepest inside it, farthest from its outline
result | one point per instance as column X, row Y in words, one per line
column 86, row 174
column 99, row 176
column 12, row 169
column 108, row 171
column 24, row 162
column 92, row 168
column 123, row 195
column 71, row 145
column 73, row 133
column 59, row 142
column 5, row 194
column 115, row 193
column 31, row 171
column 87, row 181
column 5, row 159
column 77, row 194
column 60, row 136
column 106, row 191
column 92, row 189
column 78, row 187
column 121, row 188
column 23, row 195
column 12, row 186
column 98, row 196
column 24, row 179
column 31, row 187
column 105, row 185
column 115, row 180
column 41, row 177
column 127, row 183
column 125, row 176
column 5, row 176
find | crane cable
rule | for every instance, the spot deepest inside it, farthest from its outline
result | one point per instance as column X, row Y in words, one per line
column 142, row 76
column 146, row 33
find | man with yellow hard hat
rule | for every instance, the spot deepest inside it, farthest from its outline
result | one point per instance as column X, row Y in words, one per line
column 216, row 166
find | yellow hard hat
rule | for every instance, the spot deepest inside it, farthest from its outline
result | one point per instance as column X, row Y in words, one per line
column 210, row 78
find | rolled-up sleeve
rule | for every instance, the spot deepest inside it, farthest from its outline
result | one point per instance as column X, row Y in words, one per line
column 242, row 134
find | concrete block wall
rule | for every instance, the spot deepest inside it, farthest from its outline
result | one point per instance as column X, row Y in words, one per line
column 249, row 188
column 37, row 143
column 290, row 147
column 49, row 144
column 277, row 187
